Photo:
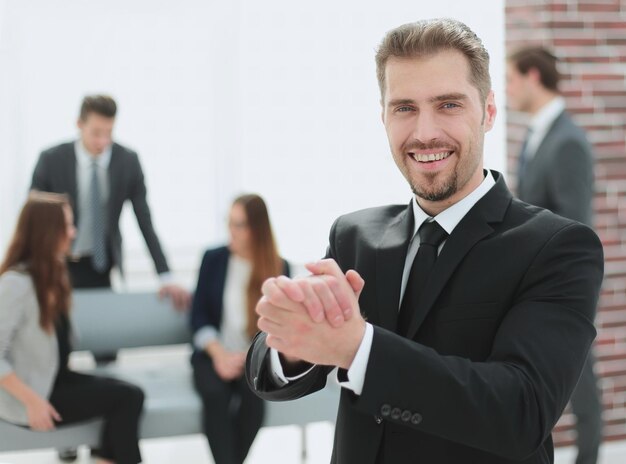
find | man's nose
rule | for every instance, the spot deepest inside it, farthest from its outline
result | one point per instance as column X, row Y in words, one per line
column 427, row 127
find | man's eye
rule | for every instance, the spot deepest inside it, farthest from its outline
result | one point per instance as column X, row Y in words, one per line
column 404, row 109
column 450, row 106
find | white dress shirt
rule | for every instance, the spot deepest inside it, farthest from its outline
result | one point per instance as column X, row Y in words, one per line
column 232, row 331
column 448, row 220
column 540, row 125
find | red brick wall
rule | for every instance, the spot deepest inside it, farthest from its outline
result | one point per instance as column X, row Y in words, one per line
column 590, row 38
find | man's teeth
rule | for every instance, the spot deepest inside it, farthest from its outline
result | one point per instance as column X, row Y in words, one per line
column 423, row 158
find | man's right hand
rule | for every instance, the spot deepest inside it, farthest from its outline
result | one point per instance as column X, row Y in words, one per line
column 228, row 365
column 41, row 414
column 326, row 293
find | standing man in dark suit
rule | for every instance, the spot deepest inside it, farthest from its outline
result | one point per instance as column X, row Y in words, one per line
column 460, row 322
column 99, row 175
column 555, row 171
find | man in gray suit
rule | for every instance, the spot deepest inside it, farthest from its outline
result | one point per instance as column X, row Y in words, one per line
column 99, row 175
column 555, row 171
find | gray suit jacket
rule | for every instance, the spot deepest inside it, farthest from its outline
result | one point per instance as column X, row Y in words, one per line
column 560, row 175
column 25, row 348
column 56, row 172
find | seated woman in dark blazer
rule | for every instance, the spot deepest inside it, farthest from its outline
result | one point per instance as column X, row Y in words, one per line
column 38, row 389
column 223, row 321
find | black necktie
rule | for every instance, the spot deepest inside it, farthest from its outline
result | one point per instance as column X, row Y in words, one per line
column 431, row 235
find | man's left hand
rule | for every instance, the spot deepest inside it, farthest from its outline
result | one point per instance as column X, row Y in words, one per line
column 181, row 298
column 292, row 331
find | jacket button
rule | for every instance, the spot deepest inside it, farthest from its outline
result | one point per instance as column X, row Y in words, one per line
column 416, row 419
column 406, row 415
column 395, row 413
column 385, row 410
column 378, row 420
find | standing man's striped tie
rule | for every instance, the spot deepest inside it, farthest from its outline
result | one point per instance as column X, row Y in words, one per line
column 99, row 257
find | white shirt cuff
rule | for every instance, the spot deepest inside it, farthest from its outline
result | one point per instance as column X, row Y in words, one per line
column 166, row 278
column 276, row 368
column 356, row 373
column 203, row 336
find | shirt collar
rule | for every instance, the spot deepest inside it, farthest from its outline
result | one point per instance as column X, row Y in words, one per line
column 449, row 218
column 85, row 158
column 544, row 118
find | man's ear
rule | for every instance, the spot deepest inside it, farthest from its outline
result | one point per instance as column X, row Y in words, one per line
column 490, row 111
column 534, row 75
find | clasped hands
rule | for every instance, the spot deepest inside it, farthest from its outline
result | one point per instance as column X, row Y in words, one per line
column 315, row 318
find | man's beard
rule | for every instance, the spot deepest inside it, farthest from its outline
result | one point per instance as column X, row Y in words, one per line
column 439, row 193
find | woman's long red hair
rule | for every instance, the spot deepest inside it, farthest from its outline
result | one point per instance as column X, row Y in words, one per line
column 266, row 262
column 36, row 244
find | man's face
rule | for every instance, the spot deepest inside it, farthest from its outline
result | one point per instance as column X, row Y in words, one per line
column 96, row 132
column 518, row 89
column 435, row 122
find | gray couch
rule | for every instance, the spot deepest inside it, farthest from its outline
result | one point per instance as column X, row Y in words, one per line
column 106, row 322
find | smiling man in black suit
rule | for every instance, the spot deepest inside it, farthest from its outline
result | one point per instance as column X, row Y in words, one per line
column 459, row 322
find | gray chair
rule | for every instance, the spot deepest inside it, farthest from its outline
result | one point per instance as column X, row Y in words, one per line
column 106, row 322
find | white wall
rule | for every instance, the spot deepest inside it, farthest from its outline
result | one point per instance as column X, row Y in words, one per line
column 276, row 97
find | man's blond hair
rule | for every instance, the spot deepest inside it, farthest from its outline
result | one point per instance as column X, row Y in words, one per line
column 427, row 37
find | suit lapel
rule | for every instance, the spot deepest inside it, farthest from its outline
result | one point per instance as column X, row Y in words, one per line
column 473, row 227
column 390, row 258
column 72, row 189
column 539, row 156
column 114, row 181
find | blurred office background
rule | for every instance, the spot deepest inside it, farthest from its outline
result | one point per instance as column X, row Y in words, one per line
column 280, row 98
column 275, row 97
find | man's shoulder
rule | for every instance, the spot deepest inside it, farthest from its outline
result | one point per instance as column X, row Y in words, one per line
column 217, row 253
column 123, row 151
column 536, row 223
column 61, row 150
column 374, row 215
column 566, row 129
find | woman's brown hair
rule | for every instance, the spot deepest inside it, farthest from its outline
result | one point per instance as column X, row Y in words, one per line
column 266, row 261
column 41, row 228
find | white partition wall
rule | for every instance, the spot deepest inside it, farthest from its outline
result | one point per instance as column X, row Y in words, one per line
column 218, row 98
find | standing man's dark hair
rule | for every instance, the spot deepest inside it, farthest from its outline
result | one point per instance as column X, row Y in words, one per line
column 460, row 322
column 555, row 171
column 103, row 105
column 525, row 59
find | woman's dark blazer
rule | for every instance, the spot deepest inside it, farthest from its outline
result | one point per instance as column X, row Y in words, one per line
column 207, row 306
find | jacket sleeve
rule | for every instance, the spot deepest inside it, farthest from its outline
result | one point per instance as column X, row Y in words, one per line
column 12, row 293
column 144, row 218
column 571, row 182
column 261, row 381
column 201, row 313
column 40, row 180
column 518, row 393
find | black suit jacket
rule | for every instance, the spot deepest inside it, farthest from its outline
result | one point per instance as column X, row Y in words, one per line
column 495, row 347
column 56, row 172
column 559, row 177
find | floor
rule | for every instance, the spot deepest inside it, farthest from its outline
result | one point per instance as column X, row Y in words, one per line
column 276, row 445
column 279, row 445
